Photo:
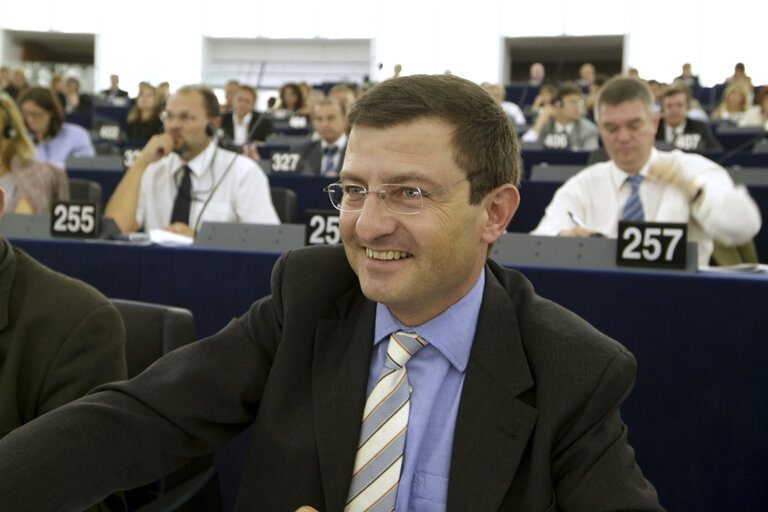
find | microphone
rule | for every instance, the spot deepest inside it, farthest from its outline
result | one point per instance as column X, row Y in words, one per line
column 744, row 145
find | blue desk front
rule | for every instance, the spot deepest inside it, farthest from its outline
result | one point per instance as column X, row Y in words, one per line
column 698, row 416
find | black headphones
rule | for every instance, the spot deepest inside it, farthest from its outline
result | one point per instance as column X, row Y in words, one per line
column 210, row 129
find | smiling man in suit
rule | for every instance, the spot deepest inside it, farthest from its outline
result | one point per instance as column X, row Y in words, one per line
column 486, row 396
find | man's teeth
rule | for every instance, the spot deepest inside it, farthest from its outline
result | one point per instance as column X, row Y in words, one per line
column 386, row 255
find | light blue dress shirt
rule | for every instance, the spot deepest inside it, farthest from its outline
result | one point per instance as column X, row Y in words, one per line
column 436, row 374
column 72, row 139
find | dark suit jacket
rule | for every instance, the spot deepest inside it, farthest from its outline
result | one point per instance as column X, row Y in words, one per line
column 311, row 157
column 59, row 338
column 538, row 427
column 266, row 126
column 700, row 132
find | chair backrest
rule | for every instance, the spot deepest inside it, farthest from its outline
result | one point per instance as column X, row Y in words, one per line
column 284, row 200
column 85, row 190
column 152, row 330
column 99, row 162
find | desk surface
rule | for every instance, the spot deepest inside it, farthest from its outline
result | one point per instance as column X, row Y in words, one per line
column 699, row 411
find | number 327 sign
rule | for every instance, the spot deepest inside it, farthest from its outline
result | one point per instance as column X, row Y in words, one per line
column 651, row 244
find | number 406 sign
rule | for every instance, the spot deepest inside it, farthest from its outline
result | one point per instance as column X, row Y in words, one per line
column 651, row 244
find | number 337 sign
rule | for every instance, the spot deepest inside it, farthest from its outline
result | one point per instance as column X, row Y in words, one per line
column 651, row 244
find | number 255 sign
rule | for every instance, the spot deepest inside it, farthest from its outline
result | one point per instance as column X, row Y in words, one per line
column 651, row 244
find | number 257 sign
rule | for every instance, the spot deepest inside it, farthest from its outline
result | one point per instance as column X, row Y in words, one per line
column 651, row 244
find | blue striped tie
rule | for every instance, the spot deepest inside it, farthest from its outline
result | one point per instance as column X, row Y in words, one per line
column 379, row 458
column 633, row 208
column 330, row 159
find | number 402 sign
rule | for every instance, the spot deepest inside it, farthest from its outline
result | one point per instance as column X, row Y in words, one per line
column 651, row 244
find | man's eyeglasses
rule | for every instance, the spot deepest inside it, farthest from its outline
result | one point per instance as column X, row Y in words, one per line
column 402, row 199
column 184, row 117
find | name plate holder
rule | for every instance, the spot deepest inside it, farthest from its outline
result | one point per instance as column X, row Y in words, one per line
column 572, row 252
column 249, row 237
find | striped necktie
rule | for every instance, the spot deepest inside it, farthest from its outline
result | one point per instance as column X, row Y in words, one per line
column 633, row 208
column 330, row 159
column 382, row 438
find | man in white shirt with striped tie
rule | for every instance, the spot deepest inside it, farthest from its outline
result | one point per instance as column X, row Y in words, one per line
column 675, row 186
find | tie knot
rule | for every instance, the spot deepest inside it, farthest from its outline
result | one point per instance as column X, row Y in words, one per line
column 331, row 150
column 402, row 346
column 635, row 180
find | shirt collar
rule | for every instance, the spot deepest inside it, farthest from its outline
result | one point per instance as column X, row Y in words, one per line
column 451, row 333
column 619, row 177
column 340, row 142
column 200, row 163
column 246, row 119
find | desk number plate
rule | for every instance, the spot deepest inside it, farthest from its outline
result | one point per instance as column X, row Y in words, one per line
column 651, row 244
column 75, row 219
column 322, row 227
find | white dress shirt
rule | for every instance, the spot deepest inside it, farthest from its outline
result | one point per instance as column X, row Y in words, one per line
column 597, row 195
column 226, row 187
column 240, row 129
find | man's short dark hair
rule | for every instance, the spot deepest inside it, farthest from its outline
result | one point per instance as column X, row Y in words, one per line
column 210, row 101
column 675, row 90
column 250, row 89
column 333, row 101
column 485, row 145
column 623, row 88
column 567, row 89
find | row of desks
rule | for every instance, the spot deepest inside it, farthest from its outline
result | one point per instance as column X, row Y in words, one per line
column 699, row 411
column 535, row 196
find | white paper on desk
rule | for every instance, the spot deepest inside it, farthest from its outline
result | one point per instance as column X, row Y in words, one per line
column 742, row 268
column 163, row 237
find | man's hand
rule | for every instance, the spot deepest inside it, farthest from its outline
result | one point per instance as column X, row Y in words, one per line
column 579, row 231
column 667, row 169
column 158, row 146
column 251, row 151
column 181, row 228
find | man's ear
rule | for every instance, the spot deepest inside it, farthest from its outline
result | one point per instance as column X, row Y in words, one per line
column 500, row 205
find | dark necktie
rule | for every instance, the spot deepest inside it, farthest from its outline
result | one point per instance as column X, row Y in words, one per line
column 330, row 161
column 379, row 458
column 183, row 198
column 633, row 208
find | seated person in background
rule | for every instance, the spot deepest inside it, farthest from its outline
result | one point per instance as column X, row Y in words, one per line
column 57, row 87
column 244, row 124
column 586, row 76
column 18, row 83
column 345, row 94
column 54, row 139
column 326, row 155
column 757, row 115
column 74, row 100
column 314, row 97
column 562, row 124
column 5, row 77
column 59, row 338
column 182, row 177
column 734, row 105
column 510, row 403
column 671, row 186
column 230, row 88
column 695, row 110
column 31, row 186
column 536, row 74
column 514, row 112
column 544, row 98
column 144, row 117
column 591, row 99
column 688, row 77
column 291, row 101
column 114, row 90
column 675, row 127
column 739, row 75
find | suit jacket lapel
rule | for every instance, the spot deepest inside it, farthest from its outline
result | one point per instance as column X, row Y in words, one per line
column 493, row 425
column 343, row 348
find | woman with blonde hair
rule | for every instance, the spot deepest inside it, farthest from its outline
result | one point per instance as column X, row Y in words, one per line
column 735, row 103
column 30, row 185
column 144, row 117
